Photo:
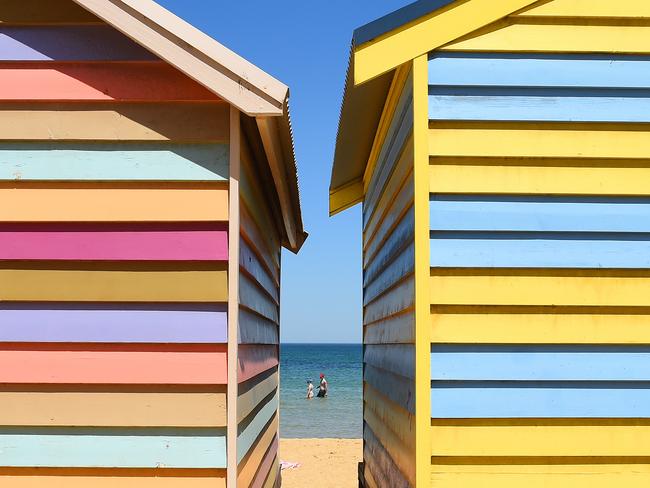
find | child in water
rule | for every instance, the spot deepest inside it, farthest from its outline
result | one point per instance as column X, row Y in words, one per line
column 310, row 390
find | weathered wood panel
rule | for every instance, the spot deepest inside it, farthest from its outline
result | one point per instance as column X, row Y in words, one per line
column 119, row 121
column 398, row 420
column 401, row 266
column 544, row 437
column 256, row 359
column 113, row 364
column 67, row 161
column 68, row 43
column 121, row 81
column 114, row 242
column 252, row 296
column 112, row 478
column 398, row 329
column 394, row 301
column 248, row 467
column 253, row 392
column 534, row 325
column 251, row 428
column 401, row 236
column 112, row 409
column 253, row 235
column 629, row 288
column 268, row 464
column 119, row 448
column 396, row 358
column 32, row 12
column 615, row 177
column 382, row 465
column 142, row 202
column 274, row 478
column 113, row 323
column 255, row 329
column 249, row 261
column 113, row 282
column 397, row 388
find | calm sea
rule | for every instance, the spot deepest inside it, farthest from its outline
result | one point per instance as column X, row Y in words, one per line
column 339, row 415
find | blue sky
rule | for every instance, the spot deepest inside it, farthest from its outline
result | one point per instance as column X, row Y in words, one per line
column 305, row 45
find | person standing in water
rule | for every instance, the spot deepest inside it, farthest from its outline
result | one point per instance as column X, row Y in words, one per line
column 310, row 390
column 322, row 388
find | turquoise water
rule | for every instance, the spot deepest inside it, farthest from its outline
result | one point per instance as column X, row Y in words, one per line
column 339, row 415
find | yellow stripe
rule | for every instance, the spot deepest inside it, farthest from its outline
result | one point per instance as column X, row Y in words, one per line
column 568, row 177
column 539, row 140
column 539, row 325
column 398, row 420
column 137, row 284
column 422, row 260
column 570, row 437
column 552, row 37
column 427, row 33
column 540, row 287
column 591, row 8
column 345, row 197
column 515, row 475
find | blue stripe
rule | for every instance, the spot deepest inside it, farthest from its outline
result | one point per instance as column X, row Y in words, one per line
column 539, row 214
column 540, row 400
column 396, row 19
column 539, row 250
column 612, row 71
column 535, row 105
column 539, row 363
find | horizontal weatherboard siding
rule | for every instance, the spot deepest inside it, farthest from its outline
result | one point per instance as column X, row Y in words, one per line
column 68, row 43
column 113, row 162
column 117, row 121
column 538, row 70
column 91, row 364
column 540, row 363
column 539, row 400
column 155, row 282
column 255, row 359
column 103, row 202
column 114, row 242
column 539, row 214
column 112, row 408
column 113, row 323
column 120, row 448
column 539, row 250
column 126, row 81
column 254, row 426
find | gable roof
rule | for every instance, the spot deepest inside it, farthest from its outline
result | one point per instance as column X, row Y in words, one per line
column 378, row 49
column 220, row 70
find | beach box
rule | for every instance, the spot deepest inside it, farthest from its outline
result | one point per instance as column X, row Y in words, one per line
column 147, row 186
column 500, row 150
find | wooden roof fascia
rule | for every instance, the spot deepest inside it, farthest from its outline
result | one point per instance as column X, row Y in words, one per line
column 194, row 53
column 439, row 27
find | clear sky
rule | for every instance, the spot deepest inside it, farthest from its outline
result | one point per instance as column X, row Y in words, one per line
column 305, row 44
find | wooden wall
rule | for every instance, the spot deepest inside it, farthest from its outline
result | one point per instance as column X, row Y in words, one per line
column 259, row 318
column 388, row 299
column 113, row 260
column 539, row 245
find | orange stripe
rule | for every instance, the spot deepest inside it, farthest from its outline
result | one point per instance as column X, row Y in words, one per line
column 132, row 81
column 113, row 364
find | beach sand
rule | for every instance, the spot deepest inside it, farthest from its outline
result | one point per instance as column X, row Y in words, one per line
column 336, row 459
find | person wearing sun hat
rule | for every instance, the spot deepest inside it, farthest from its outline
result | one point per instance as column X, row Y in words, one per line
column 322, row 388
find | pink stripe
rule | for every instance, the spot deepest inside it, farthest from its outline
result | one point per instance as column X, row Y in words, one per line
column 267, row 465
column 114, row 243
column 255, row 359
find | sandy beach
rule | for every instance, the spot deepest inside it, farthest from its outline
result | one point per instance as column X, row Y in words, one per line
column 337, row 459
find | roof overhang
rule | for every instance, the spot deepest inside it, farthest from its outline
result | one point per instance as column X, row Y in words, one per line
column 228, row 75
column 378, row 49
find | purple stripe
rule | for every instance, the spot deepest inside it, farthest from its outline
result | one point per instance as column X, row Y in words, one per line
column 155, row 324
column 68, row 43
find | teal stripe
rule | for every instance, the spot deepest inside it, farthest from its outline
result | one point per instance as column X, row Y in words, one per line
column 250, row 432
column 113, row 448
column 114, row 161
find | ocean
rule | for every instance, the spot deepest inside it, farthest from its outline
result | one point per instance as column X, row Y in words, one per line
column 338, row 416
